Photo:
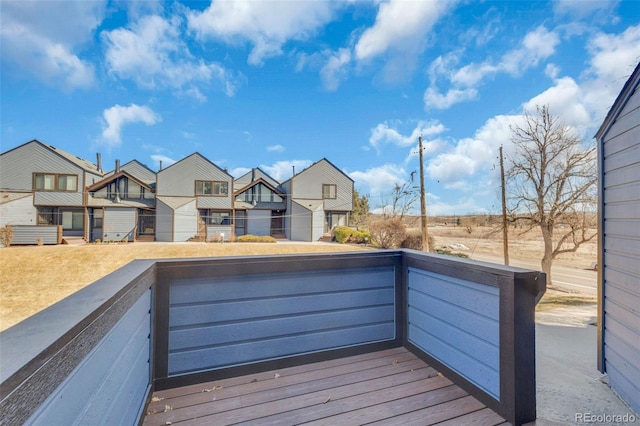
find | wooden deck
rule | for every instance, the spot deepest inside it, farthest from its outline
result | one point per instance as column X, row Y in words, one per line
column 387, row 387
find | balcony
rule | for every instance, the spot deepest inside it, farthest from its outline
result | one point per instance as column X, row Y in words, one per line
column 286, row 337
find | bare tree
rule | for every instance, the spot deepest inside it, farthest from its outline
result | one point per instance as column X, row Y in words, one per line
column 403, row 197
column 552, row 180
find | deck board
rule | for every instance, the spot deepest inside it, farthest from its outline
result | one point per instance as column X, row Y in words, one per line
column 386, row 387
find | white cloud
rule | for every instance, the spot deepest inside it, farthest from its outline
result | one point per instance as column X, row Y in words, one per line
column 239, row 171
column 153, row 54
column 581, row 9
column 433, row 99
column 335, row 70
column 45, row 38
column 536, row 46
column 275, row 148
column 565, row 100
column 388, row 133
column 267, row 25
column 283, row 170
column 159, row 158
column 117, row 116
column 400, row 26
column 378, row 181
column 459, row 167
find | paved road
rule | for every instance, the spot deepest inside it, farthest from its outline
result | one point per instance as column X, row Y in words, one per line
column 565, row 277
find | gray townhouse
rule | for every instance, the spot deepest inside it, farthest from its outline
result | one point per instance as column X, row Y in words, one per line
column 619, row 243
column 121, row 207
column 43, row 185
column 320, row 198
column 193, row 199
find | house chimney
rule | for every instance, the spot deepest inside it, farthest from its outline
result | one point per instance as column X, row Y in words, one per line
column 117, row 166
column 253, row 174
column 160, row 166
column 99, row 161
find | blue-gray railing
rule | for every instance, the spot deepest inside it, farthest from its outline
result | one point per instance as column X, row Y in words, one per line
column 95, row 357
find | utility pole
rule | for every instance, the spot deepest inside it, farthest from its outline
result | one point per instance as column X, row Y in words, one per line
column 505, row 238
column 423, row 202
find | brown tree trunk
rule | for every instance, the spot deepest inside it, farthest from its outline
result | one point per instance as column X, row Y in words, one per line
column 547, row 258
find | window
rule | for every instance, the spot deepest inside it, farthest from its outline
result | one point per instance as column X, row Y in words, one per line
column 260, row 194
column 54, row 182
column 73, row 220
column 212, row 187
column 329, row 191
column 97, row 218
column 217, row 217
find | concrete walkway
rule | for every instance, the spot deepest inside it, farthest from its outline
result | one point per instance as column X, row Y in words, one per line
column 570, row 389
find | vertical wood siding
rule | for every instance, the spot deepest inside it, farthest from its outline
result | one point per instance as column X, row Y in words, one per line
column 456, row 322
column 620, row 161
column 110, row 384
column 217, row 322
column 118, row 224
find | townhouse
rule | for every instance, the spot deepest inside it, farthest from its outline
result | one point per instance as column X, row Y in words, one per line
column 193, row 199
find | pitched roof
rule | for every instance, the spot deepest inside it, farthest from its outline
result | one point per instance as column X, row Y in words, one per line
column 200, row 156
column 624, row 95
column 111, row 178
column 315, row 164
column 80, row 162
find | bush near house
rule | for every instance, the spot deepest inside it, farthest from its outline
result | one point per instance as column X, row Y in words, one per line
column 388, row 233
column 6, row 236
column 345, row 234
column 256, row 239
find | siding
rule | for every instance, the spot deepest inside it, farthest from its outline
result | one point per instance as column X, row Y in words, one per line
column 620, row 213
column 119, row 223
column 208, row 202
column 139, row 171
column 110, row 385
column 55, row 199
column 18, row 212
column 308, row 184
column 18, row 165
column 259, row 222
column 317, row 226
column 164, row 222
column 456, row 322
column 185, row 222
column 179, row 179
column 29, row 234
column 300, row 220
column 218, row 322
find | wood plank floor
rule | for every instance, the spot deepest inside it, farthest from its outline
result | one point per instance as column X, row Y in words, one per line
column 391, row 387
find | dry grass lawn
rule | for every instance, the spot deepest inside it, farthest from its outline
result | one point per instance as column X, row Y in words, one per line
column 35, row 277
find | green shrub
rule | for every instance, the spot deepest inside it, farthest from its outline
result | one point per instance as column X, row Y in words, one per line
column 256, row 239
column 344, row 234
column 6, row 236
column 450, row 253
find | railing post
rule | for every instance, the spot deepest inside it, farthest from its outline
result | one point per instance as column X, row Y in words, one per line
column 517, row 345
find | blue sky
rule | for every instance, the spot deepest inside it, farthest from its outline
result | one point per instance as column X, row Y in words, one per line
column 276, row 84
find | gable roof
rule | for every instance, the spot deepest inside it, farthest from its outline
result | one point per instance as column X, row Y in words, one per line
column 257, row 172
column 197, row 154
column 315, row 164
column 135, row 164
column 74, row 159
column 624, row 95
column 113, row 177
column 256, row 182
